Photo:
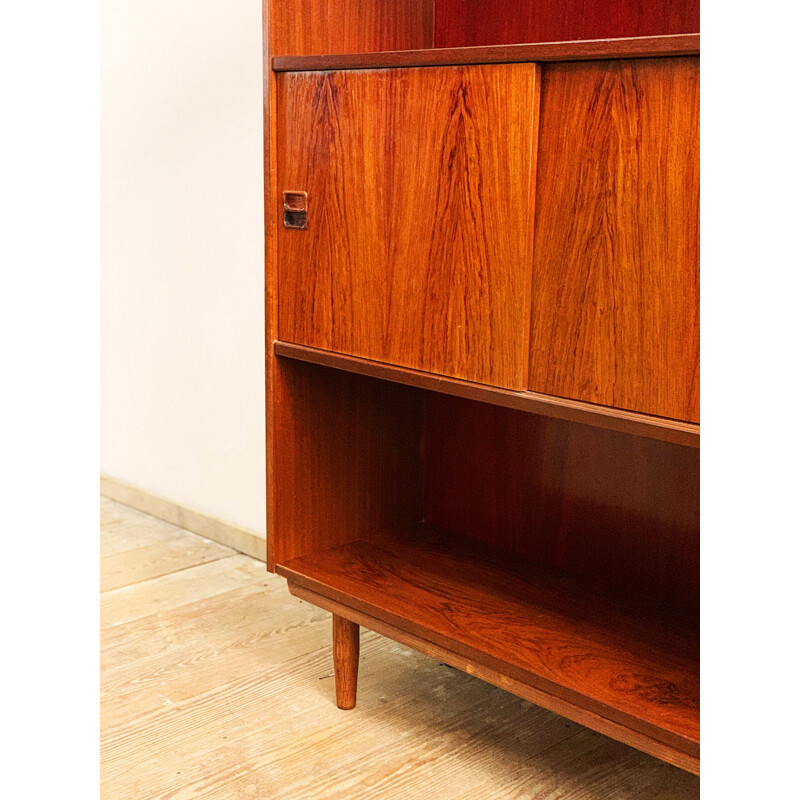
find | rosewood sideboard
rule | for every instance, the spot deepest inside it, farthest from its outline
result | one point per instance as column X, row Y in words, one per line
column 482, row 372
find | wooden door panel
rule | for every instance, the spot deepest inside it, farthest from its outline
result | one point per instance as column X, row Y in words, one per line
column 616, row 254
column 418, row 246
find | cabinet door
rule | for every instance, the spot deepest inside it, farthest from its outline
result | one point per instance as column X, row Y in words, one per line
column 616, row 262
column 418, row 242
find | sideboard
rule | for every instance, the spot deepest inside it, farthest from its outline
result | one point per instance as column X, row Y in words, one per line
column 482, row 330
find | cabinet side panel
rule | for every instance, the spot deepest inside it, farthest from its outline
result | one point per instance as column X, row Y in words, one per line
column 420, row 227
column 317, row 27
column 463, row 23
column 347, row 458
column 270, row 274
column 618, row 511
column 616, row 253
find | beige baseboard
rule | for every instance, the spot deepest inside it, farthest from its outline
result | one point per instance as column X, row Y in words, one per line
column 241, row 539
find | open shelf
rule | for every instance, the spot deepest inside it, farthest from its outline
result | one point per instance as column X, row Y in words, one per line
column 612, row 657
column 614, row 419
column 630, row 47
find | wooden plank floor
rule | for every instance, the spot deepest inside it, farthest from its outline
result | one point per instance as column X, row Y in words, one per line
column 216, row 683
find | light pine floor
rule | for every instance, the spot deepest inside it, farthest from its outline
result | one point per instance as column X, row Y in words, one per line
column 216, row 683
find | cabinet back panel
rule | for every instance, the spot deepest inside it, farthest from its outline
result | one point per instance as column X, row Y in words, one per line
column 616, row 255
column 314, row 27
column 419, row 241
column 463, row 23
column 617, row 510
column 347, row 458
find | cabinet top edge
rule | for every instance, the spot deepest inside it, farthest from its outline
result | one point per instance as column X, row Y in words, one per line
column 683, row 44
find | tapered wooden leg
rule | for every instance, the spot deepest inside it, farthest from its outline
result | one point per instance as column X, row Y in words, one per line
column 346, row 637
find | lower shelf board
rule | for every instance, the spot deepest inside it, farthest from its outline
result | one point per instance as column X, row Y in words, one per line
column 604, row 663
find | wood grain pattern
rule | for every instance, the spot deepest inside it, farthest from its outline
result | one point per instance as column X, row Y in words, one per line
column 202, row 645
column 638, row 47
column 295, row 27
column 419, row 237
column 616, row 264
column 394, row 288
column 126, row 529
column 272, row 386
column 326, row 26
column 232, row 696
column 461, row 23
column 346, row 641
column 126, row 568
column 552, row 702
column 533, row 626
column 667, row 430
column 618, row 512
column 347, row 458
column 129, row 603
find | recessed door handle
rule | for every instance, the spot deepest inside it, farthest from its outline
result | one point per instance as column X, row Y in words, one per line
column 295, row 211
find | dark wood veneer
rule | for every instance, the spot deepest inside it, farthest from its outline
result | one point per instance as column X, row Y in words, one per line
column 639, row 47
column 462, row 23
column 426, row 267
column 347, row 449
column 668, row 430
column 331, row 26
column 546, row 541
column 500, row 678
column 616, row 269
column 540, row 628
column 619, row 512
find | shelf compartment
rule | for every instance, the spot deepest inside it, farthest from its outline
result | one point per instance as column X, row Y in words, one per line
column 633, row 671
column 681, row 44
column 614, row 419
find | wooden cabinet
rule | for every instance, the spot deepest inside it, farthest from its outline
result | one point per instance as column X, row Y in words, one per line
column 418, row 249
column 482, row 352
column 419, row 234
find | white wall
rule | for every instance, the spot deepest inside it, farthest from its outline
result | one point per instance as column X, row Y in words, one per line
column 182, row 339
